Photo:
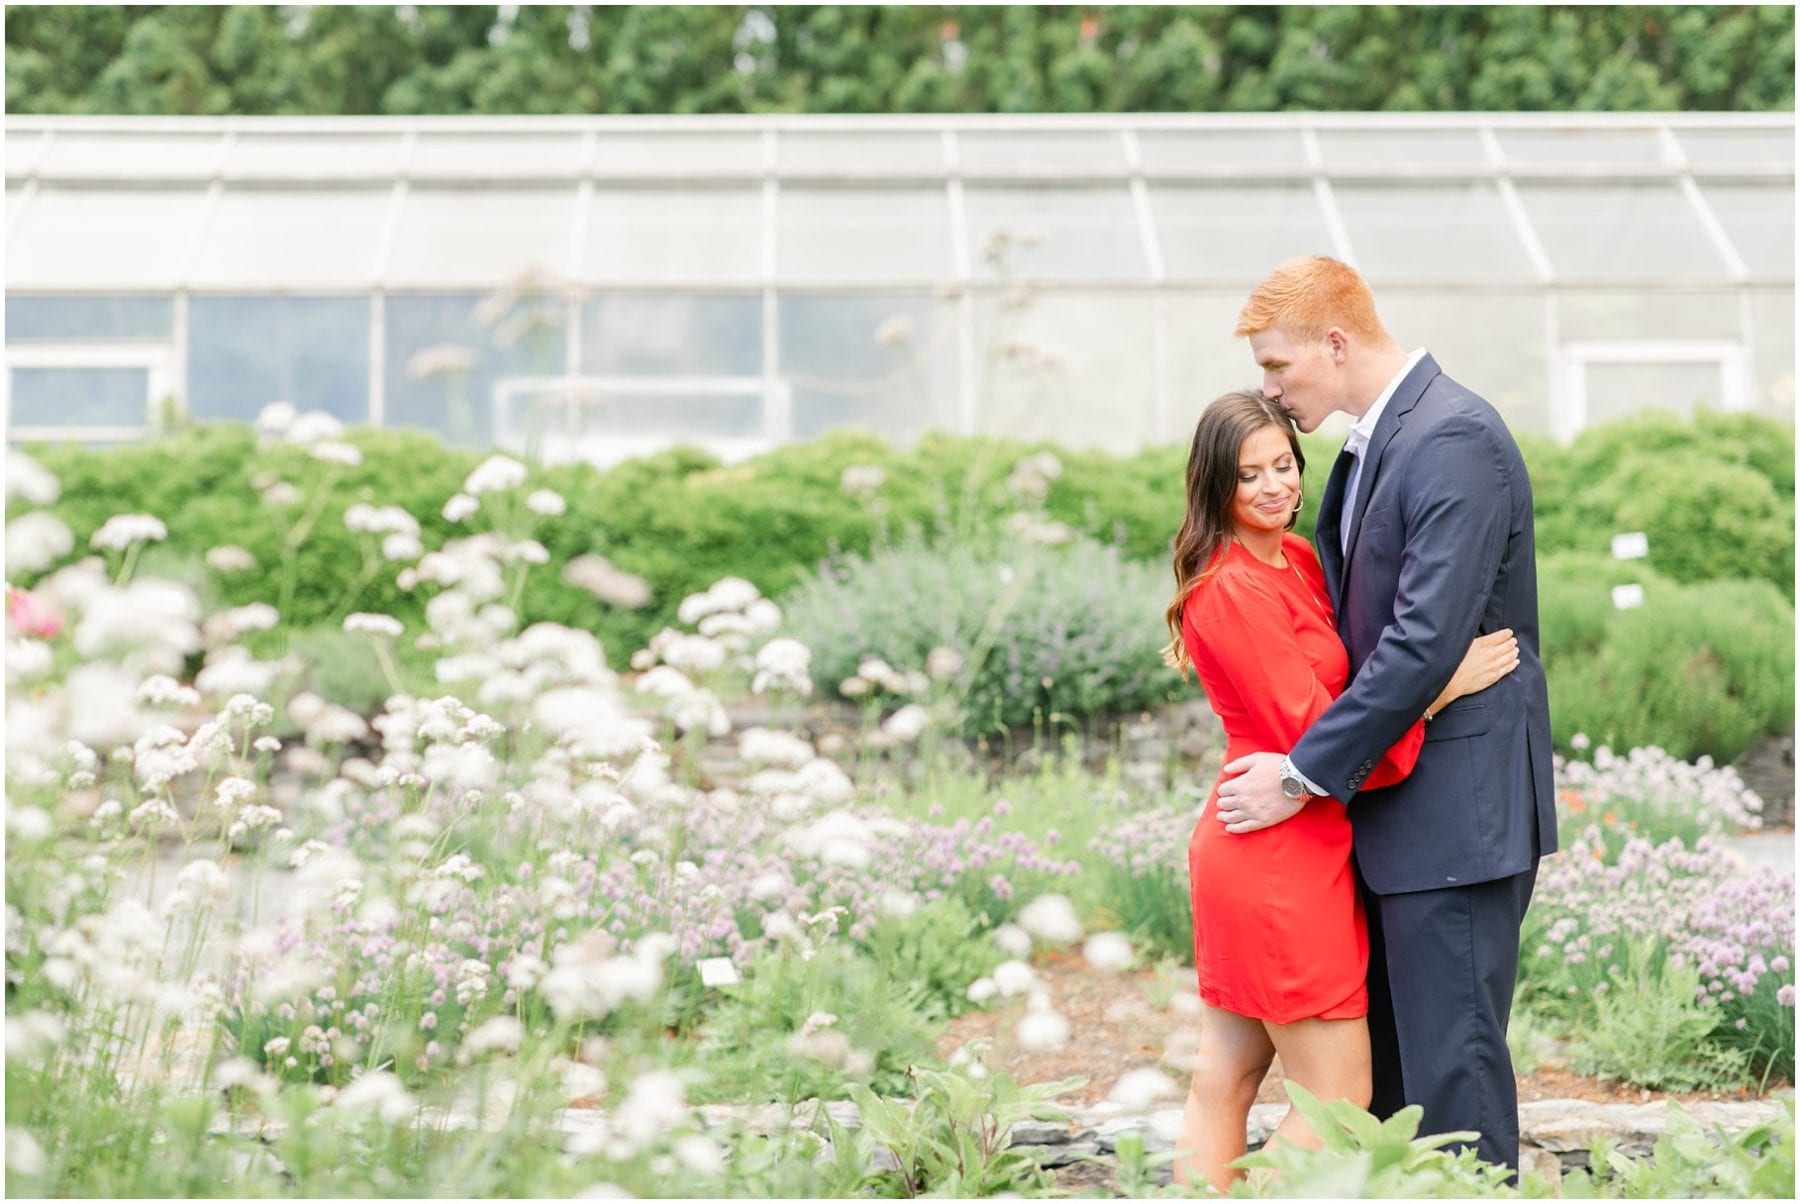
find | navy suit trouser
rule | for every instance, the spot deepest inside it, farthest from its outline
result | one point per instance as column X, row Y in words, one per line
column 1442, row 966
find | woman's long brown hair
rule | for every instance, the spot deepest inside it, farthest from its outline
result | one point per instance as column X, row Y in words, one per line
column 1212, row 481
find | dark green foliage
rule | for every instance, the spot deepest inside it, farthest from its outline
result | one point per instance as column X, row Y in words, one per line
column 1698, row 669
column 812, row 58
column 1715, row 494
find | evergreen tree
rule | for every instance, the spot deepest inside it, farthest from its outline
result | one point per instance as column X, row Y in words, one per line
column 179, row 59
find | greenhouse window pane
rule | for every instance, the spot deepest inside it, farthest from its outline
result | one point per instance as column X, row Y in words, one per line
column 1727, row 148
column 861, row 154
column 80, row 397
column 1772, row 327
column 886, row 363
column 1759, row 219
column 304, row 157
column 670, row 154
column 1071, row 368
column 496, row 156
column 657, row 334
column 1220, row 150
column 1614, row 314
column 849, row 234
column 1066, row 233
column 667, row 235
column 1235, row 232
column 605, row 426
column 1624, row 232
column 244, row 352
column 84, row 319
column 446, row 354
column 1617, row 391
column 269, row 239
column 1432, row 232
column 1436, row 149
column 158, row 156
column 1040, row 153
column 1581, row 147
column 1489, row 342
column 73, row 238
column 481, row 236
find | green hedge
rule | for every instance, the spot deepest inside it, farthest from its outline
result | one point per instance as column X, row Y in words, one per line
column 1715, row 496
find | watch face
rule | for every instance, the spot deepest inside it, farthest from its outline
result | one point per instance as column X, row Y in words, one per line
column 1292, row 787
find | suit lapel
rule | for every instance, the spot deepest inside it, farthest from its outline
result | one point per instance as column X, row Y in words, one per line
column 1325, row 528
column 1405, row 397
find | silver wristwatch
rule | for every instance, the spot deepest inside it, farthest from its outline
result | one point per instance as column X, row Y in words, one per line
column 1292, row 784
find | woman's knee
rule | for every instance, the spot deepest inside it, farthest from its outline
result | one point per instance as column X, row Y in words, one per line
column 1233, row 1075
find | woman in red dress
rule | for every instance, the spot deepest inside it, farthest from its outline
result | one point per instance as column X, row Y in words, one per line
column 1279, row 938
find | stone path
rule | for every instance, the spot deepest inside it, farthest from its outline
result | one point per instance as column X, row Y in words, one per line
column 1555, row 1134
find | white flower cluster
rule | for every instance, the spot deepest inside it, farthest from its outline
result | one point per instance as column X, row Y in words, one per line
column 863, row 480
column 26, row 478
column 607, row 582
column 587, row 978
column 399, row 530
column 36, row 541
column 319, row 432
column 1040, row 532
column 495, row 474
column 1032, row 476
column 874, row 674
column 120, row 531
column 783, row 665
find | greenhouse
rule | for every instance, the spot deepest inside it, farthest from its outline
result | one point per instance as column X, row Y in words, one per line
column 599, row 287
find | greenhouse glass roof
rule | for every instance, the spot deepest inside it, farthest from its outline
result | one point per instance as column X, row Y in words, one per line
column 399, row 204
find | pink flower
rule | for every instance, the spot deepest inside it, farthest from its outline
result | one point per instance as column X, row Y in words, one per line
column 32, row 615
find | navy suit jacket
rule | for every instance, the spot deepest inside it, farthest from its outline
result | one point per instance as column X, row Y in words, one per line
column 1439, row 550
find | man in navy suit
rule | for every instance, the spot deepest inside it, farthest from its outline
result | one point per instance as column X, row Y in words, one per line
column 1425, row 535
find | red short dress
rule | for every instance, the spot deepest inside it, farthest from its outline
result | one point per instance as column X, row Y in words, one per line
column 1279, row 933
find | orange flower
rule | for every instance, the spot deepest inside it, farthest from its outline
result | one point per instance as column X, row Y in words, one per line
column 1576, row 805
column 1608, row 818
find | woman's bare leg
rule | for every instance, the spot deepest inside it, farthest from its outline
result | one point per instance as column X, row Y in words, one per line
column 1234, row 1055
column 1330, row 1058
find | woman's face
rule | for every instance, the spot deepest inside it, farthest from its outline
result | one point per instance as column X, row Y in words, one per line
column 1268, row 482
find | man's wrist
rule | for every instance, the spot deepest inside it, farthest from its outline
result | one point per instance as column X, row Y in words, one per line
column 1290, row 770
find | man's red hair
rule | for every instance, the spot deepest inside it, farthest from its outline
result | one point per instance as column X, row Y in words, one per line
column 1307, row 296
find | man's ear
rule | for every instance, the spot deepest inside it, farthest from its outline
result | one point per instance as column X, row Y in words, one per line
column 1339, row 343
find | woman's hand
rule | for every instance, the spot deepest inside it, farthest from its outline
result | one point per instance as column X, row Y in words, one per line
column 1489, row 658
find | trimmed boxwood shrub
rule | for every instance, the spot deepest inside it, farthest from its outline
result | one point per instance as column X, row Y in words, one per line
column 1698, row 669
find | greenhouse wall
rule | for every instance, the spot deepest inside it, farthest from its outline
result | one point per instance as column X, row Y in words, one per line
column 600, row 287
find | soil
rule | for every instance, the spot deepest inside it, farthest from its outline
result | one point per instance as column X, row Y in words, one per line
column 1146, row 1017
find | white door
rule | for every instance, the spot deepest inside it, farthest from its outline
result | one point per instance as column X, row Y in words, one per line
column 1607, row 380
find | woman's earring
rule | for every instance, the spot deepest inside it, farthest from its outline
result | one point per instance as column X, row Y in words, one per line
column 1294, row 518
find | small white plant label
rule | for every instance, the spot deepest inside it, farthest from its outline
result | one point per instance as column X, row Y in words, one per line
column 1631, row 545
column 717, row 971
column 1627, row 597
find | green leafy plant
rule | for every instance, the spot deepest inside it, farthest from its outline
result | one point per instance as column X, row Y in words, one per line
column 768, row 1038
column 1690, row 1162
column 954, row 1139
column 1360, row 1157
column 1650, row 1028
column 938, row 950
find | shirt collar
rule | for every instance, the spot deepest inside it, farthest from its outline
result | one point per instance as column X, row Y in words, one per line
column 1364, row 429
